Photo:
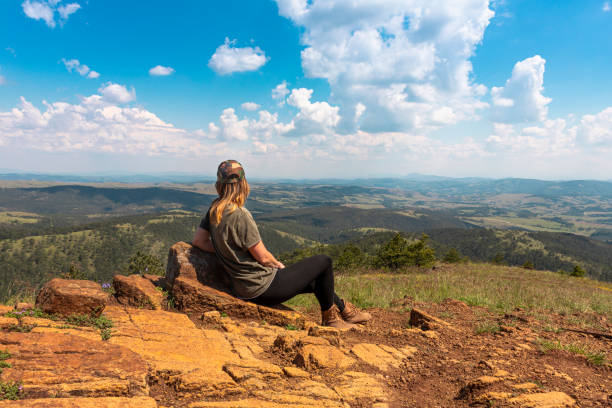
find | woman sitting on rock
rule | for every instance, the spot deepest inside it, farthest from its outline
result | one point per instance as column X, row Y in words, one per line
column 228, row 229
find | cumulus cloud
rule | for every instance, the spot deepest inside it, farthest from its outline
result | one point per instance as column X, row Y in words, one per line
column 280, row 92
column 228, row 59
column 552, row 137
column 46, row 10
column 406, row 62
column 313, row 117
column 81, row 69
column 115, row 93
column 160, row 70
column 94, row 125
column 597, row 129
column 250, row 106
column 521, row 98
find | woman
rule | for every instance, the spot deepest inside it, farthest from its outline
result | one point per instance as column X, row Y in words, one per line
column 228, row 229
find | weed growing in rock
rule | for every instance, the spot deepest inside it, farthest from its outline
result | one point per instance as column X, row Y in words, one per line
column 20, row 327
column 108, row 288
column 291, row 327
column 105, row 334
column 487, row 327
column 592, row 356
column 10, row 390
column 4, row 355
column 37, row 313
column 102, row 323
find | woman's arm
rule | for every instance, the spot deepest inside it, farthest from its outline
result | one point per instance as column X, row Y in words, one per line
column 264, row 257
column 201, row 239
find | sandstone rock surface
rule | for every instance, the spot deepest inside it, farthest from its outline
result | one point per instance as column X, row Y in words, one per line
column 62, row 365
column 135, row 290
column 72, row 296
column 82, row 402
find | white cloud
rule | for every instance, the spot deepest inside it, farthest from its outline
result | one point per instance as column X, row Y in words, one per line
column 96, row 126
column 313, row 117
column 406, row 62
column 263, row 148
column 45, row 10
column 115, row 93
column 521, row 99
column 160, row 70
column 67, row 10
column 606, row 6
column 280, row 92
column 228, row 59
column 81, row 69
column 250, row 106
column 597, row 129
column 552, row 137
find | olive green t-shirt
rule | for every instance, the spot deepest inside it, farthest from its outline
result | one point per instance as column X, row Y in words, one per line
column 232, row 238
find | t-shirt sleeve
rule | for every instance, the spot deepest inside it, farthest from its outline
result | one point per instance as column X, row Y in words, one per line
column 205, row 223
column 248, row 233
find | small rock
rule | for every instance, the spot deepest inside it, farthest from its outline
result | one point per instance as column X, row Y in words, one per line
column 425, row 321
column 525, row 386
column 134, row 290
column 24, row 306
column 318, row 356
column 72, row 296
column 294, row 372
column 553, row 399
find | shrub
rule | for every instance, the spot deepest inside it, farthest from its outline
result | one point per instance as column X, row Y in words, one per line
column 528, row 265
column 350, row 256
column 578, row 271
column 142, row 263
column 74, row 272
column 453, row 256
column 398, row 252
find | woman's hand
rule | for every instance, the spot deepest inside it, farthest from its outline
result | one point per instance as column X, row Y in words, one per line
column 264, row 257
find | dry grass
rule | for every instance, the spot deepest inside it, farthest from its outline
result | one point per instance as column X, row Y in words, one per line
column 498, row 288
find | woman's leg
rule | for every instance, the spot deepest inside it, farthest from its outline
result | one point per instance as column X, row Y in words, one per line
column 311, row 275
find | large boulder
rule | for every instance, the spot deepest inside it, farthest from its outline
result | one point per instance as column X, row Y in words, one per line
column 134, row 290
column 199, row 283
column 189, row 262
column 72, row 296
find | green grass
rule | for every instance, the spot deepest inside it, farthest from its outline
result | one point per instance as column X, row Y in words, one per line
column 593, row 356
column 487, row 327
column 10, row 390
column 497, row 288
column 103, row 323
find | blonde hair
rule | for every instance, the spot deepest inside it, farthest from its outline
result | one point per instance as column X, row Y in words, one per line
column 232, row 195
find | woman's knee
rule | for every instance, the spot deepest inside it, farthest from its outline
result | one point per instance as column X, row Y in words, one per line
column 324, row 260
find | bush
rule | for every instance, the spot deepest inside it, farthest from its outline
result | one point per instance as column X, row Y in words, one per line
column 453, row 256
column 578, row 271
column 350, row 257
column 75, row 272
column 142, row 263
column 528, row 265
column 398, row 252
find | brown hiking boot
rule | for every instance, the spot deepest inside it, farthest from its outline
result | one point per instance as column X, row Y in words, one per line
column 351, row 314
column 332, row 318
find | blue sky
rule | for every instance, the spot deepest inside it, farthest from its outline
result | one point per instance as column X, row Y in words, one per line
column 324, row 88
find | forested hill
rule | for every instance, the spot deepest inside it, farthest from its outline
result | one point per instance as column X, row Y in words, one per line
column 45, row 230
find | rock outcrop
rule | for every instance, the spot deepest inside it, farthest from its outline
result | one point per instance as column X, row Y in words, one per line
column 72, row 296
column 189, row 262
column 135, row 290
column 199, row 284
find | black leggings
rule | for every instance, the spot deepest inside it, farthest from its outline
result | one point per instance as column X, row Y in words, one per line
column 310, row 275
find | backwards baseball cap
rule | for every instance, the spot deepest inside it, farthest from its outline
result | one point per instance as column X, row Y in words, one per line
column 230, row 171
